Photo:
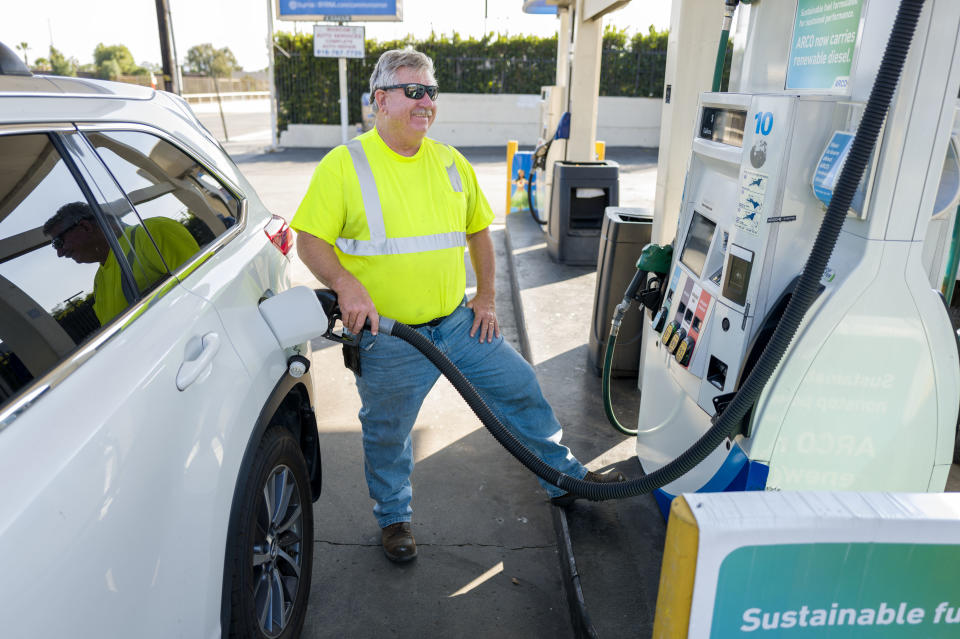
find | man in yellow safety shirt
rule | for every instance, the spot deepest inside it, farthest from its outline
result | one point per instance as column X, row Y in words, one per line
column 384, row 223
column 76, row 234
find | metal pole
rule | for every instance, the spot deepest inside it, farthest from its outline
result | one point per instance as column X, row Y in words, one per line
column 274, row 136
column 178, row 72
column 223, row 119
column 343, row 100
column 166, row 51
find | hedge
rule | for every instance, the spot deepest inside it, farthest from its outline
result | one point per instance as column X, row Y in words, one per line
column 308, row 89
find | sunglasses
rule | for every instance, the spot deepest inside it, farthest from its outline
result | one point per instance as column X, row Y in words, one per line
column 57, row 241
column 415, row 90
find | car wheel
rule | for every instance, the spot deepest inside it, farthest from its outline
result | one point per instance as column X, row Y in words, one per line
column 272, row 549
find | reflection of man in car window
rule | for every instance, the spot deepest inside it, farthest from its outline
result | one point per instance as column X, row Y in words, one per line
column 77, row 235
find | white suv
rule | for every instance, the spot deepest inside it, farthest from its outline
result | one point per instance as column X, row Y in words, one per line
column 158, row 462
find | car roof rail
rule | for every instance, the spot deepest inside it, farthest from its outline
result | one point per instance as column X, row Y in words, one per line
column 10, row 62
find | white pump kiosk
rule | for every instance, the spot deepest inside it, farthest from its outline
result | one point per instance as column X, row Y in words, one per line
column 867, row 394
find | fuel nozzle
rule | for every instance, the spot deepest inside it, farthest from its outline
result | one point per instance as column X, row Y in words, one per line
column 654, row 259
column 328, row 300
column 639, row 279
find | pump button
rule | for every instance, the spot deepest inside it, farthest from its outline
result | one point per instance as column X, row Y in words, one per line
column 676, row 339
column 685, row 350
column 669, row 331
column 725, row 324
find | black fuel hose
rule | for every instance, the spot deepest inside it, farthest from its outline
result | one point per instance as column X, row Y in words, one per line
column 805, row 293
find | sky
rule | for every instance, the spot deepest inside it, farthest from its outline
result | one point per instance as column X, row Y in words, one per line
column 77, row 26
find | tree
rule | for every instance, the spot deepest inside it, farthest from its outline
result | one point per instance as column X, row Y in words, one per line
column 109, row 70
column 23, row 46
column 60, row 64
column 215, row 63
column 121, row 58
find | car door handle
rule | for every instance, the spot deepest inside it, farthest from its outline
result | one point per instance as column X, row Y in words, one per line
column 190, row 371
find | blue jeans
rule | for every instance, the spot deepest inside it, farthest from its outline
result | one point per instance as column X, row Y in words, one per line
column 396, row 378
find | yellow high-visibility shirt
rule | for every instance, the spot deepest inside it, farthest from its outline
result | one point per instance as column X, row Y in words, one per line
column 410, row 280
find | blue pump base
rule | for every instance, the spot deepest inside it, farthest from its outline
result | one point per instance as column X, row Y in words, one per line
column 736, row 473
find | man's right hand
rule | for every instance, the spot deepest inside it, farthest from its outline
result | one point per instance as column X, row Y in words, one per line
column 356, row 307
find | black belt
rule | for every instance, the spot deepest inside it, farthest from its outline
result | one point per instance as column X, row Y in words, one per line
column 431, row 323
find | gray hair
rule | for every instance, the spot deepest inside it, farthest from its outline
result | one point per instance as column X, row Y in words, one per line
column 385, row 71
column 71, row 213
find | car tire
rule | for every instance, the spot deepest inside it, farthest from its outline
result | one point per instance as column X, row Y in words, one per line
column 272, row 550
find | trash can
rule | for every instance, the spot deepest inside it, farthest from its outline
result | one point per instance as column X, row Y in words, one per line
column 581, row 192
column 624, row 234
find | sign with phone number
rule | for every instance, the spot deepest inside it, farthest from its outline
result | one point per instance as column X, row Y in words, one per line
column 337, row 41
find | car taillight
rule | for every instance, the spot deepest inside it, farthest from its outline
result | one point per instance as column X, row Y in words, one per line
column 279, row 233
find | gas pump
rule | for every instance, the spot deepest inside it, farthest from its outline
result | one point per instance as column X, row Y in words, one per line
column 568, row 108
column 551, row 145
column 867, row 393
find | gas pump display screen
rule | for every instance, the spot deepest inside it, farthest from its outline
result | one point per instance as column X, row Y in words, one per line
column 695, row 249
column 723, row 125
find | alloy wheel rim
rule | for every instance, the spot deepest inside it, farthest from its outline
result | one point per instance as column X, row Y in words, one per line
column 277, row 551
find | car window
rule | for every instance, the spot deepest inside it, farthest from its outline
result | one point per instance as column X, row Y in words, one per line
column 68, row 265
column 163, row 182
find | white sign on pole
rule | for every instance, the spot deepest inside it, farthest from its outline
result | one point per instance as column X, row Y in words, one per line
column 337, row 41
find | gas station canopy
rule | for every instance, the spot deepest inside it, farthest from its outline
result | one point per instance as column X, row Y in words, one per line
column 540, row 6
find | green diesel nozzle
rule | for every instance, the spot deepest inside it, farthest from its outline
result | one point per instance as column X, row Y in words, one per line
column 655, row 258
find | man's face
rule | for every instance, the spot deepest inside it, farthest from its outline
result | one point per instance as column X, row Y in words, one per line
column 81, row 241
column 405, row 118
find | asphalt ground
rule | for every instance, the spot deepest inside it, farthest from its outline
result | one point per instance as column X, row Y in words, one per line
column 490, row 564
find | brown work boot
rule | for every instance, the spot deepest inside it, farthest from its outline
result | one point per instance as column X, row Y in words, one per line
column 398, row 543
column 614, row 476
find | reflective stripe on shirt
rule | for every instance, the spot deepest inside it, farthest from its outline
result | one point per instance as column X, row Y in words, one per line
column 454, row 176
column 368, row 191
column 379, row 243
